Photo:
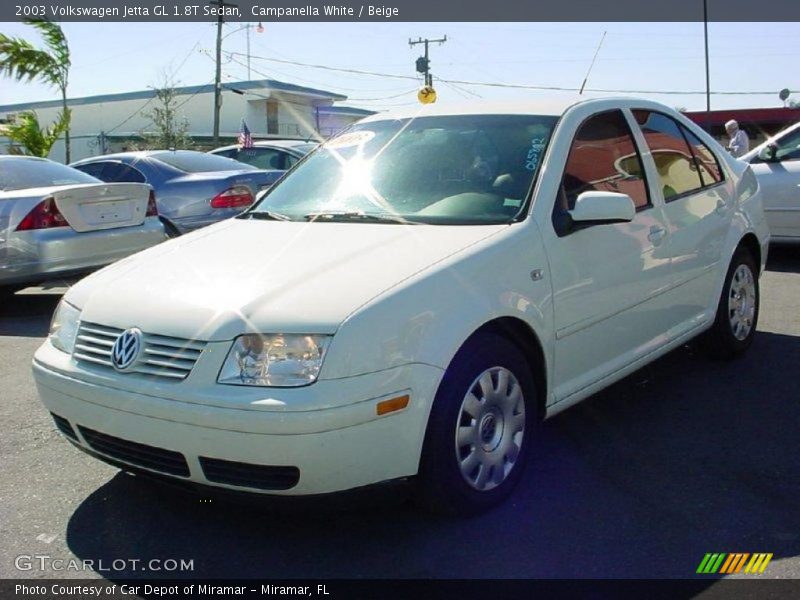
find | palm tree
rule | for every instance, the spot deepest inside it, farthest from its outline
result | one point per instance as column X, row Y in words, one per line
column 35, row 140
column 20, row 60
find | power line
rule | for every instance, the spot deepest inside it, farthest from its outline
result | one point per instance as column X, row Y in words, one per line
column 393, row 96
column 549, row 88
column 133, row 114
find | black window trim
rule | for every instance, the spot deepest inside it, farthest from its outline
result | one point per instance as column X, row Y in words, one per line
column 682, row 128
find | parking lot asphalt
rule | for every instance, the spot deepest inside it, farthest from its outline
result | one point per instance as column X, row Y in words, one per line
column 685, row 457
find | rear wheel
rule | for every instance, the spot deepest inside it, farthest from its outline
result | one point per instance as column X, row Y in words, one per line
column 479, row 429
column 169, row 228
column 6, row 291
column 737, row 313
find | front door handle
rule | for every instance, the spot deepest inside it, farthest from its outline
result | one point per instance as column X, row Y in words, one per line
column 656, row 234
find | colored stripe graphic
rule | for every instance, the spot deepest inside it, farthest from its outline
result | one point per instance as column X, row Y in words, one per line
column 729, row 564
column 711, row 563
column 758, row 563
column 734, row 563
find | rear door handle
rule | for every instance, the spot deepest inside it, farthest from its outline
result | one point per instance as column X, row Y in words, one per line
column 656, row 234
column 722, row 208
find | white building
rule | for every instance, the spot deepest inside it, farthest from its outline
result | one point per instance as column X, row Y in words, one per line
column 112, row 122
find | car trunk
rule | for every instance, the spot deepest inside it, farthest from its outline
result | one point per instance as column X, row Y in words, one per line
column 108, row 206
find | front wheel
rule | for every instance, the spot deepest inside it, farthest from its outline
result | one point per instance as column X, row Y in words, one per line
column 479, row 429
column 737, row 313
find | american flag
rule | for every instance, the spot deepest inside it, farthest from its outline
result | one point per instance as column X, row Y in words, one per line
column 245, row 139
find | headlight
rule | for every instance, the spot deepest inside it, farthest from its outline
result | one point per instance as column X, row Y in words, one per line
column 64, row 327
column 274, row 360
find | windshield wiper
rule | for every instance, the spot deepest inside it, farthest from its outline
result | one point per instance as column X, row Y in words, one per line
column 357, row 216
column 266, row 215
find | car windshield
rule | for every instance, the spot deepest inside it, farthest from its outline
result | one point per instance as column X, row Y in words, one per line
column 23, row 173
column 470, row 169
column 200, row 162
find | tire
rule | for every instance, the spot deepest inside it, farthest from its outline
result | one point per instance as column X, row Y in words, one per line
column 737, row 312
column 170, row 229
column 6, row 291
column 495, row 431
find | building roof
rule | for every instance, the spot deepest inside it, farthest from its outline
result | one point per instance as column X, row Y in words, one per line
column 761, row 116
column 270, row 84
column 346, row 110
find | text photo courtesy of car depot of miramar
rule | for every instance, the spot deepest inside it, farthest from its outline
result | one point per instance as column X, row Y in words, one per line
column 265, row 284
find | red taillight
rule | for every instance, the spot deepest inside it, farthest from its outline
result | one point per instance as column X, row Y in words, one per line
column 44, row 215
column 152, row 209
column 235, row 197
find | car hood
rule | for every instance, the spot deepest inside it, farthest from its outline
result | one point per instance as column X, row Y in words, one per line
column 264, row 276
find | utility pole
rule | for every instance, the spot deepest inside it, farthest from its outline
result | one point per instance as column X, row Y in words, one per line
column 219, row 4
column 423, row 62
column 248, row 26
column 708, row 71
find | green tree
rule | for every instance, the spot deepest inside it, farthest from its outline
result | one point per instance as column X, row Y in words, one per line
column 20, row 60
column 35, row 140
column 170, row 129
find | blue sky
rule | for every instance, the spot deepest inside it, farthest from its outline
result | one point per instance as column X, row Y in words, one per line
column 122, row 57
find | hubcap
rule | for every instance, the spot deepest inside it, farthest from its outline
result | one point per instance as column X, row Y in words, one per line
column 742, row 302
column 491, row 425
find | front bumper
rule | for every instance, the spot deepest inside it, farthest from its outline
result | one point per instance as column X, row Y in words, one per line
column 34, row 256
column 287, row 452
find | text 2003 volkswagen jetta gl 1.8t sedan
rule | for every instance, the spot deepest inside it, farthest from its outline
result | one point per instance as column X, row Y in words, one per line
column 411, row 299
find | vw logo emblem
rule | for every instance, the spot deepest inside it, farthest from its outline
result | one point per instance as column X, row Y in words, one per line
column 126, row 349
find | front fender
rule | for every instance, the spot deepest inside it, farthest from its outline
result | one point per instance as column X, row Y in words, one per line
column 427, row 318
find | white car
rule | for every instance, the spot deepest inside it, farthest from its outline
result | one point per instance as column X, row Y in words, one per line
column 411, row 300
column 776, row 164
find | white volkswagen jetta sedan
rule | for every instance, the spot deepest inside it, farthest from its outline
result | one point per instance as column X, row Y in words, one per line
column 411, row 300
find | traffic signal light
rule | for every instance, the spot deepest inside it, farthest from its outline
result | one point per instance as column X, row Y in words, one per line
column 422, row 64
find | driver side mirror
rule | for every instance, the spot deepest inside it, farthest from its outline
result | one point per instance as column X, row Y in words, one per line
column 769, row 153
column 603, row 207
column 594, row 208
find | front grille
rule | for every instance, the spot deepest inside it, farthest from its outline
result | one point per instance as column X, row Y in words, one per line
column 161, row 356
column 150, row 457
column 64, row 426
column 261, row 477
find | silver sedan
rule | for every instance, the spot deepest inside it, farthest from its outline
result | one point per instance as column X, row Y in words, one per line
column 56, row 221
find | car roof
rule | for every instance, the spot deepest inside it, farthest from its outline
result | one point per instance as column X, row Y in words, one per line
column 549, row 106
column 137, row 155
column 554, row 105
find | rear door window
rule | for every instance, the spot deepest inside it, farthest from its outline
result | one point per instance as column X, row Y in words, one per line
column 677, row 169
column 707, row 162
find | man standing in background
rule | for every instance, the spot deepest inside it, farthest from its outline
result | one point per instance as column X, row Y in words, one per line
column 739, row 143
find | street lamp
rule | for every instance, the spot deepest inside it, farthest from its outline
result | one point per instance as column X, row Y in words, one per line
column 259, row 29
